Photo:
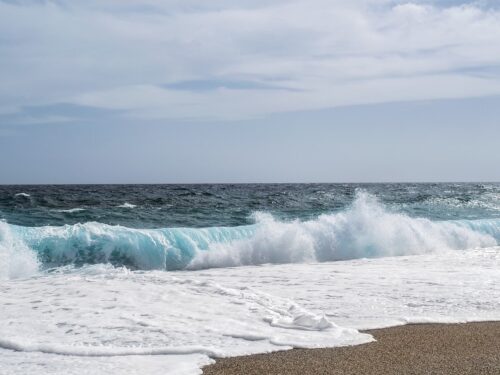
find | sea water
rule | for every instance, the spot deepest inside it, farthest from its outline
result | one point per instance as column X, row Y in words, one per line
column 165, row 278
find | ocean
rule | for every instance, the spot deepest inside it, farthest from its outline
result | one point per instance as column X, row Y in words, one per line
column 164, row 279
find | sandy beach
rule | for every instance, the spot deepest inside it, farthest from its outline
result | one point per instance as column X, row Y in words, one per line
column 472, row 348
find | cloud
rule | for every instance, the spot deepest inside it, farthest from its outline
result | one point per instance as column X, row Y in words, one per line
column 238, row 59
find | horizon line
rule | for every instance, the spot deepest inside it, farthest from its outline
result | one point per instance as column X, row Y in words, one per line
column 250, row 183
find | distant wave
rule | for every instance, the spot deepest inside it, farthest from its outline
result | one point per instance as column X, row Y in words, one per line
column 127, row 205
column 26, row 195
column 366, row 229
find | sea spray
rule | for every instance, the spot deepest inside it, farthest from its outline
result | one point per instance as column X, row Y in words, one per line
column 365, row 230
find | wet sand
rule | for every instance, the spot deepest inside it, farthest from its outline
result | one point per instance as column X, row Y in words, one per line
column 472, row 348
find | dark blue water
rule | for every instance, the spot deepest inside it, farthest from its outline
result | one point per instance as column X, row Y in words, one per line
column 160, row 206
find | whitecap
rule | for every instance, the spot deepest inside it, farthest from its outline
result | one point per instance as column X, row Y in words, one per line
column 72, row 210
column 127, row 205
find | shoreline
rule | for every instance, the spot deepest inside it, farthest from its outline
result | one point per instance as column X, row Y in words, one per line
column 465, row 348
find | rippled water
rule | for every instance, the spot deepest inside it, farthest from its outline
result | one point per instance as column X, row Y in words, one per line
column 160, row 206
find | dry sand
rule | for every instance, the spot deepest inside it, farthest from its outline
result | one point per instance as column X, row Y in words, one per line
column 472, row 348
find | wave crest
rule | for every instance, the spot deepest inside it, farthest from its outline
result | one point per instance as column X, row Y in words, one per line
column 365, row 230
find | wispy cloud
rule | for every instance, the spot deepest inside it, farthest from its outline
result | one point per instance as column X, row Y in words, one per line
column 224, row 84
column 238, row 59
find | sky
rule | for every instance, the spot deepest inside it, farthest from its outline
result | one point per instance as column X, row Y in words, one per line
column 183, row 91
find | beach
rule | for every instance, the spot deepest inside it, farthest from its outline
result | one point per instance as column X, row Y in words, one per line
column 471, row 348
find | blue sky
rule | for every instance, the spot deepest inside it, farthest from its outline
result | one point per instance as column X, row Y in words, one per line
column 125, row 91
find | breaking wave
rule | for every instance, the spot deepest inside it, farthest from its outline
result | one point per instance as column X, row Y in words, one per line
column 16, row 259
column 366, row 229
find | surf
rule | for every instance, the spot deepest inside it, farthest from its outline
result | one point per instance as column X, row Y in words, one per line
column 366, row 229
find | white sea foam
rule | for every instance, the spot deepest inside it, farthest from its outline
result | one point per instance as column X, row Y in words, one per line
column 16, row 259
column 114, row 312
column 16, row 363
column 101, row 350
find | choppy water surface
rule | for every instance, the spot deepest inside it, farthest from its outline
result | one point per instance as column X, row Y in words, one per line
column 160, row 206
